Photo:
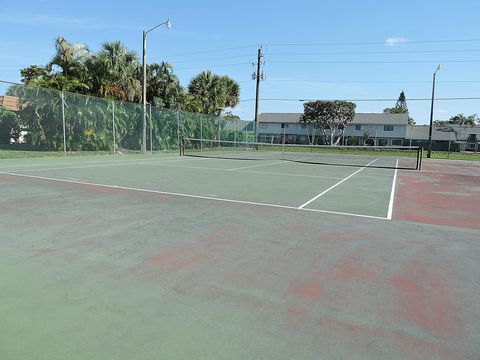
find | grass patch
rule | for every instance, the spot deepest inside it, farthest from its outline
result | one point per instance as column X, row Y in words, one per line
column 470, row 156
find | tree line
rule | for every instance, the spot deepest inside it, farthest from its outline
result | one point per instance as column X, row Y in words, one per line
column 90, row 89
column 114, row 72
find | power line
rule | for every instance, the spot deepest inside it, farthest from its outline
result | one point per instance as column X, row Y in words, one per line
column 326, row 53
column 373, row 43
column 324, row 44
column 374, row 52
column 373, row 100
column 377, row 62
column 212, row 66
column 209, row 59
column 211, row 51
column 374, row 81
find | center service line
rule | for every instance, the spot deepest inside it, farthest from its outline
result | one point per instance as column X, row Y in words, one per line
column 334, row 186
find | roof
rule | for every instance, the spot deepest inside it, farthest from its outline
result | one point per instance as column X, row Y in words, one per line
column 420, row 132
column 11, row 103
column 360, row 118
column 445, row 133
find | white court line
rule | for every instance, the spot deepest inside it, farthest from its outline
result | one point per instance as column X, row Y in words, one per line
column 123, row 161
column 107, row 164
column 334, row 186
column 246, row 171
column 162, row 163
column 392, row 193
column 191, row 196
column 253, row 166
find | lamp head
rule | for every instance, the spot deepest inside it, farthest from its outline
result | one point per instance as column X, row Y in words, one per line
column 168, row 24
column 438, row 67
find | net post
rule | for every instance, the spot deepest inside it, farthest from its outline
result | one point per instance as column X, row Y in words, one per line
column 418, row 159
column 421, row 157
column 113, row 128
column 62, row 95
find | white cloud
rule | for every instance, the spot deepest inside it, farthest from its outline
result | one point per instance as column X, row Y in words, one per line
column 394, row 41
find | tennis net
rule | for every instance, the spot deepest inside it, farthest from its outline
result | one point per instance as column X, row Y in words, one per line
column 392, row 157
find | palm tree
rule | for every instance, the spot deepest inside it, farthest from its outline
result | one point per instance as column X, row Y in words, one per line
column 163, row 87
column 115, row 73
column 70, row 58
column 214, row 92
column 232, row 92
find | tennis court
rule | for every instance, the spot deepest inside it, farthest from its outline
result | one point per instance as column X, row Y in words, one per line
column 181, row 257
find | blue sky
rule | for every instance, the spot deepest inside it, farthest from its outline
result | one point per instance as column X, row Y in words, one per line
column 312, row 49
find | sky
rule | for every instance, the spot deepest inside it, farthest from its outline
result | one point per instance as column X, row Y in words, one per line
column 347, row 50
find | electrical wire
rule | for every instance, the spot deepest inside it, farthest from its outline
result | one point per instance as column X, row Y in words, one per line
column 377, row 62
column 375, row 43
column 375, row 52
column 372, row 100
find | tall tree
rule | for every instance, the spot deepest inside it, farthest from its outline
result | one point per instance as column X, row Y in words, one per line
column 115, row 73
column 70, row 58
column 214, row 92
column 463, row 120
column 330, row 116
column 163, row 87
column 400, row 108
column 32, row 73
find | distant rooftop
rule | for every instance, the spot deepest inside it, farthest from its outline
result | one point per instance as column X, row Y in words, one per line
column 9, row 103
column 360, row 118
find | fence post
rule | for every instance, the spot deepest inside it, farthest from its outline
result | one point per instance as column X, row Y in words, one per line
column 178, row 128
column 151, row 129
column 113, row 128
column 62, row 95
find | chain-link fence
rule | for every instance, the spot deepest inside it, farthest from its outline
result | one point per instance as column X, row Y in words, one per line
column 38, row 119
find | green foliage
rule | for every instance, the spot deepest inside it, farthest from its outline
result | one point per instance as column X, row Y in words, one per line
column 440, row 123
column 463, row 120
column 329, row 115
column 31, row 73
column 214, row 92
column 9, row 127
column 400, row 108
column 114, row 72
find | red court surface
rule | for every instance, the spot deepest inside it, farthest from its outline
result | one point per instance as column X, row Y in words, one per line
column 443, row 193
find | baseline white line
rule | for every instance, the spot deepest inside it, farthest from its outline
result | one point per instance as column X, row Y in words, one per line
column 253, row 166
column 392, row 194
column 334, row 186
column 191, row 196
column 97, row 166
column 93, row 162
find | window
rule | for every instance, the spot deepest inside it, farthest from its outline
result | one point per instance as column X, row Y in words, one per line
column 263, row 125
column 387, row 127
column 382, row 142
column 397, row 142
column 284, row 126
column 358, row 127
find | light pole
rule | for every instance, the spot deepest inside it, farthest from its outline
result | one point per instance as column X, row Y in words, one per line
column 429, row 153
column 167, row 24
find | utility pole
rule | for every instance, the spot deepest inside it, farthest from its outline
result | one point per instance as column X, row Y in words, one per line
column 257, row 76
column 429, row 152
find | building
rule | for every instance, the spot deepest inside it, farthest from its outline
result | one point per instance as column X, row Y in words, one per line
column 11, row 103
column 373, row 129
column 366, row 129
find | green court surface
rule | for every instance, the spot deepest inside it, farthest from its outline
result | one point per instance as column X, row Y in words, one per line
column 169, row 257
